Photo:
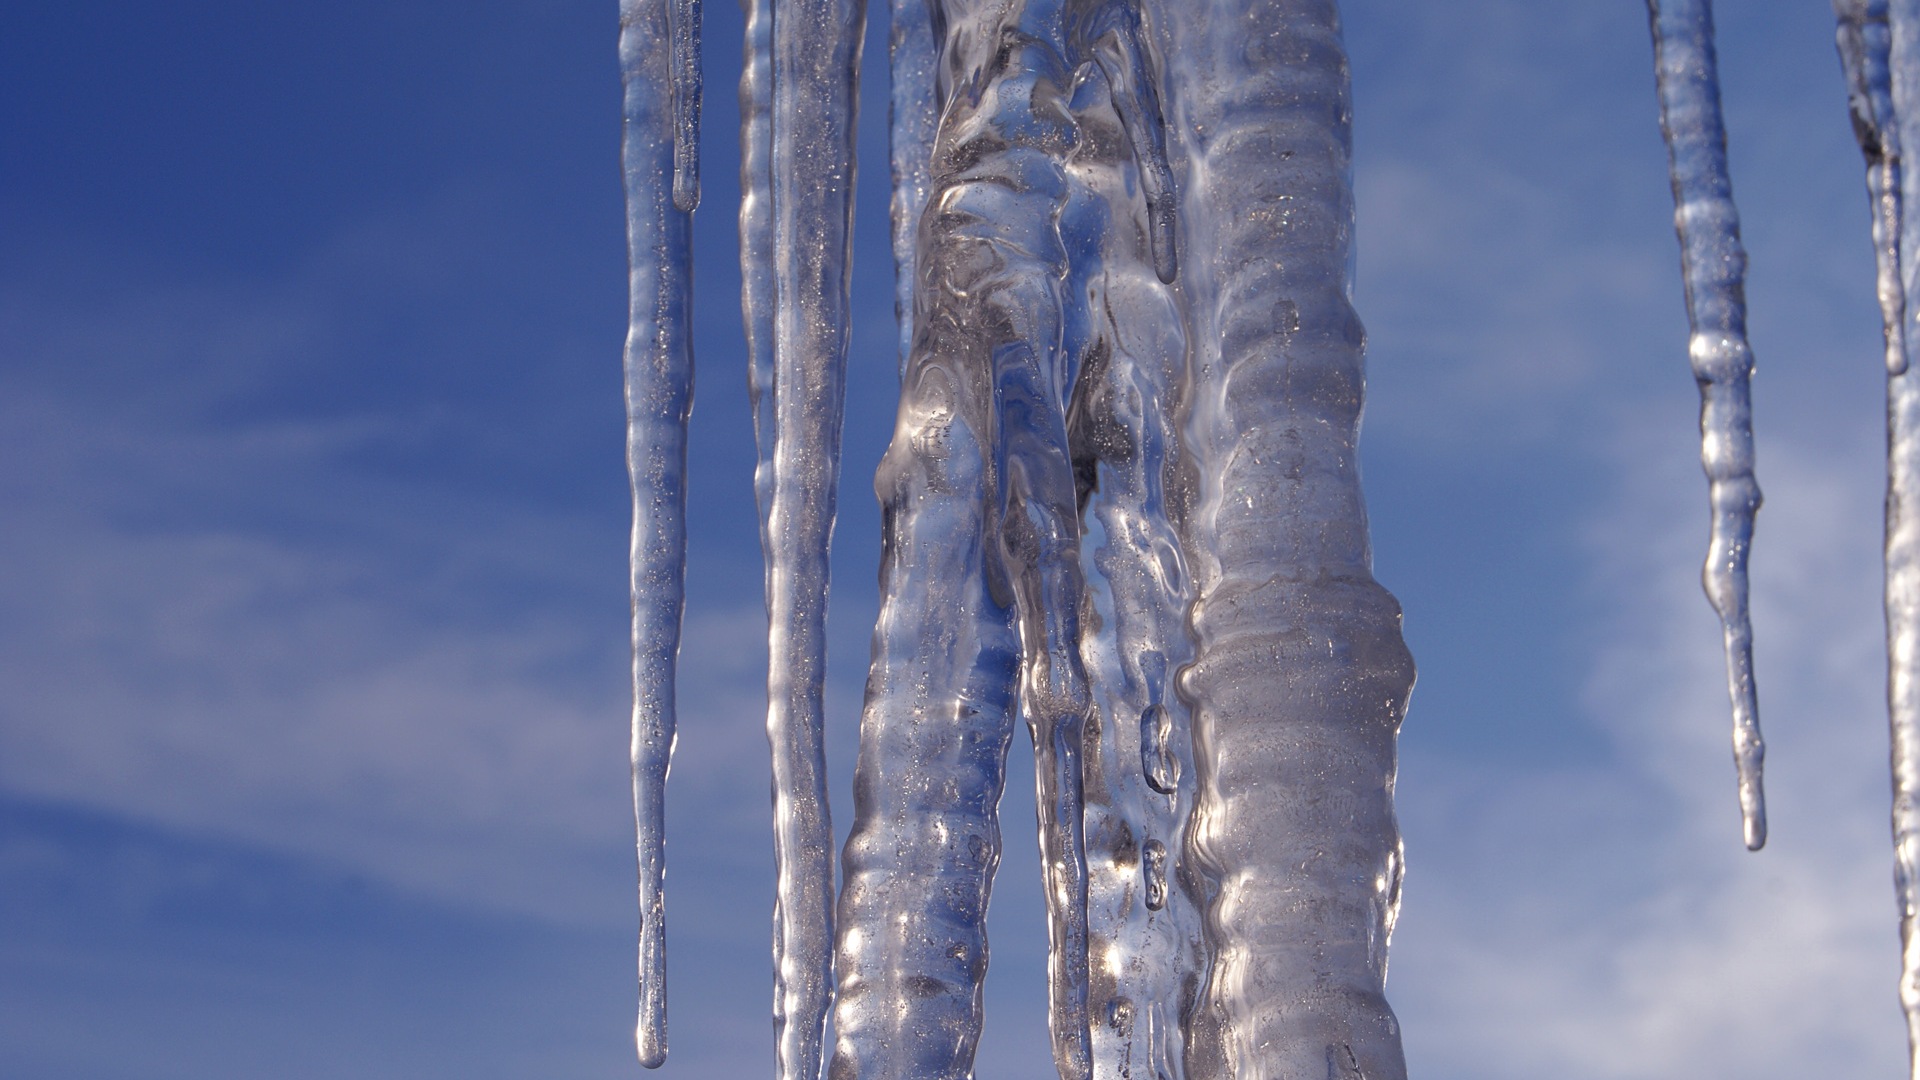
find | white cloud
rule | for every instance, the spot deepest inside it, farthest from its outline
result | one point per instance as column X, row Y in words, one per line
column 1601, row 919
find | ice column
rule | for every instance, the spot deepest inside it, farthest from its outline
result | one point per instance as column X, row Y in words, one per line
column 1144, row 940
column 1880, row 52
column 1714, row 266
column 659, row 392
column 980, row 575
column 1300, row 676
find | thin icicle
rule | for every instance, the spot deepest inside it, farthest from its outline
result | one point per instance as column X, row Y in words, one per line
column 683, row 20
column 659, row 393
column 758, row 293
column 912, row 116
column 1889, row 73
column 1864, row 39
column 1300, row 676
column 1714, row 266
column 815, row 90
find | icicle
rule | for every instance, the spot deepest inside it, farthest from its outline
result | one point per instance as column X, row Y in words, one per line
column 1143, row 928
column 1864, row 39
column 659, row 377
column 683, row 19
column 1714, row 267
column 758, row 292
column 815, row 61
column 981, row 569
column 911, row 121
column 1880, row 52
column 1300, row 676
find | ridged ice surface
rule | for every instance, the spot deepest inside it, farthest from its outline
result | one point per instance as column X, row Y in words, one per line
column 1121, row 503
column 1714, row 266
column 980, row 576
column 1121, row 486
column 1880, row 53
column 1300, row 676
column 659, row 393
column 800, row 128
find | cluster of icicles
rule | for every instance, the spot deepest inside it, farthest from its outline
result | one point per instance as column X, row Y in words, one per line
column 1879, row 44
column 1121, row 502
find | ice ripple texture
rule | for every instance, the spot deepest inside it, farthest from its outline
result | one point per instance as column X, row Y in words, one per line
column 1714, row 266
column 1121, row 503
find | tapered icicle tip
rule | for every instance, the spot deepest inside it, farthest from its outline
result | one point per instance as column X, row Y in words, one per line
column 685, row 88
column 686, row 179
column 1748, row 757
column 650, row 1028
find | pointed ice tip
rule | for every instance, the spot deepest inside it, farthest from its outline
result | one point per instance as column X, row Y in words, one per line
column 1756, row 830
column 686, row 189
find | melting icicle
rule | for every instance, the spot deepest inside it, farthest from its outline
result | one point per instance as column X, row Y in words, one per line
column 1880, row 51
column 683, row 18
column 659, row 392
column 981, row 569
column 815, row 59
column 911, row 121
column 1714, row 267
column 1048, row 515
column 1300, row 677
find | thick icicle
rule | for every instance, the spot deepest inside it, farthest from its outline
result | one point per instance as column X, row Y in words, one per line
column 912, row 116
column 1143, row 927
column 981, row 570
column 1714, row 266
column 814, row 93
column 1880, row 47
column 659, row 392
column 1300, row 677
column 683, row 19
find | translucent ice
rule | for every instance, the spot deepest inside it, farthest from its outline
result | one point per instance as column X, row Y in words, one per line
column 1120, row 487
column 1714, row 266
column 659, row 391
column 1880, row 52
column 1300, row 676
column 800, row 128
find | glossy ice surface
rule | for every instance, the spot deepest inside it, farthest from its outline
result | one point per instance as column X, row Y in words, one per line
column 806, row 166
column 1879, row 48
column 1121, row 504
column 1714, row 265
column 659, row 389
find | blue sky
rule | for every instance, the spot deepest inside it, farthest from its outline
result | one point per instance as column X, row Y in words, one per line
column 312, row 612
